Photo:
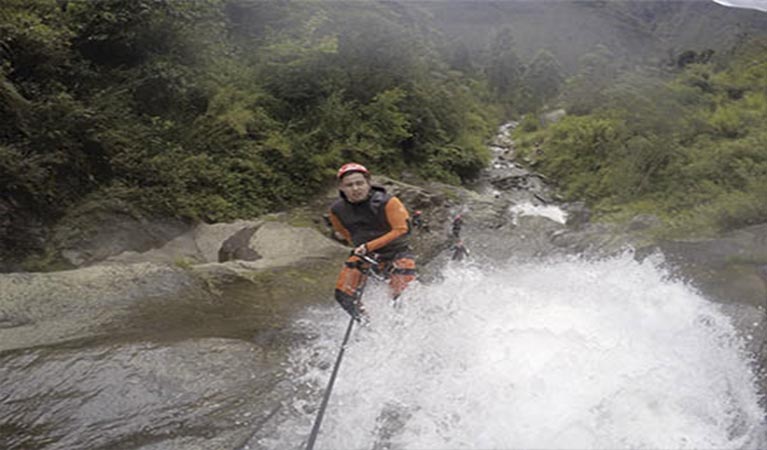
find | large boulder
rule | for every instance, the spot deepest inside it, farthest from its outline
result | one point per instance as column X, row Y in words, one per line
column 45, row 308
column 280, row 244
column 237, row 247
column 98, row 230
column 201, row 244
column 242, row 248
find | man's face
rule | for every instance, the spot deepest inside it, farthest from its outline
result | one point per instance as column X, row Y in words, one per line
column 355, row 187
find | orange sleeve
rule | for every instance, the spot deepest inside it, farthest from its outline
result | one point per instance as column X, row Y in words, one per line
column 339, row 227
column 397, row 216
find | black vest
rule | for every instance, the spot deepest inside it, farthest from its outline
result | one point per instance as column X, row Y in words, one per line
column 367, row 220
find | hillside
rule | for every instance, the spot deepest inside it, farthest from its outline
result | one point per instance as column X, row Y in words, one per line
column 634, row 30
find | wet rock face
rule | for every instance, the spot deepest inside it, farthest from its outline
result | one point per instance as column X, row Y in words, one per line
column 147, row 355
column 46, row 308
column 730, row 268
column 237, row 247
column 578, row 214
column 514, row 178
column 95, row 232
column 135, row 395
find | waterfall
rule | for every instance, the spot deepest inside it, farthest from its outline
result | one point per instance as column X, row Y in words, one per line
column 566, row 354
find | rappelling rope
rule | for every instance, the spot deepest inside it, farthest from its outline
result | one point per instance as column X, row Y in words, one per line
column 326, row 398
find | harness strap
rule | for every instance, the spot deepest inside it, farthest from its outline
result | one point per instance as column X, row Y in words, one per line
column 361, row 265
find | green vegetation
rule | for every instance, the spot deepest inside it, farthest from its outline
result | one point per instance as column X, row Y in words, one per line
column 220, row 109
column 690, row 146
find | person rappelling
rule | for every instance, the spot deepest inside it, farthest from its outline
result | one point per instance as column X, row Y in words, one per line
column 456, row 226
column 460, row 252
column 417, row 219
column 374, row 223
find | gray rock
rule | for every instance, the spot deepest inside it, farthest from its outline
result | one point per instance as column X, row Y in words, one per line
column 729, row 268
column 552, row 117
column 199, row 245
column 237, row 247
column 119, row 395
column 280, row 244
column 45, row 308
column 578, row 214
column 96, row 231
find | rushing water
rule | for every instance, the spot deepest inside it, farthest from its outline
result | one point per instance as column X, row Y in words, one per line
column 560, row 354
column 549, row 211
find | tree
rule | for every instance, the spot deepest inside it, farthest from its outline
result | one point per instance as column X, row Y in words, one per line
column 459, row 57
column 505, row 69
column 597, row 70
column 543, row 79
column 372, row 67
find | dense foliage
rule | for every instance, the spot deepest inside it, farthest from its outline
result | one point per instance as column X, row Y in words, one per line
column 223, row 108
column 690, row 145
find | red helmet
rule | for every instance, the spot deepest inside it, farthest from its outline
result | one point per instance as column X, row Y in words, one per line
column 351, row 167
